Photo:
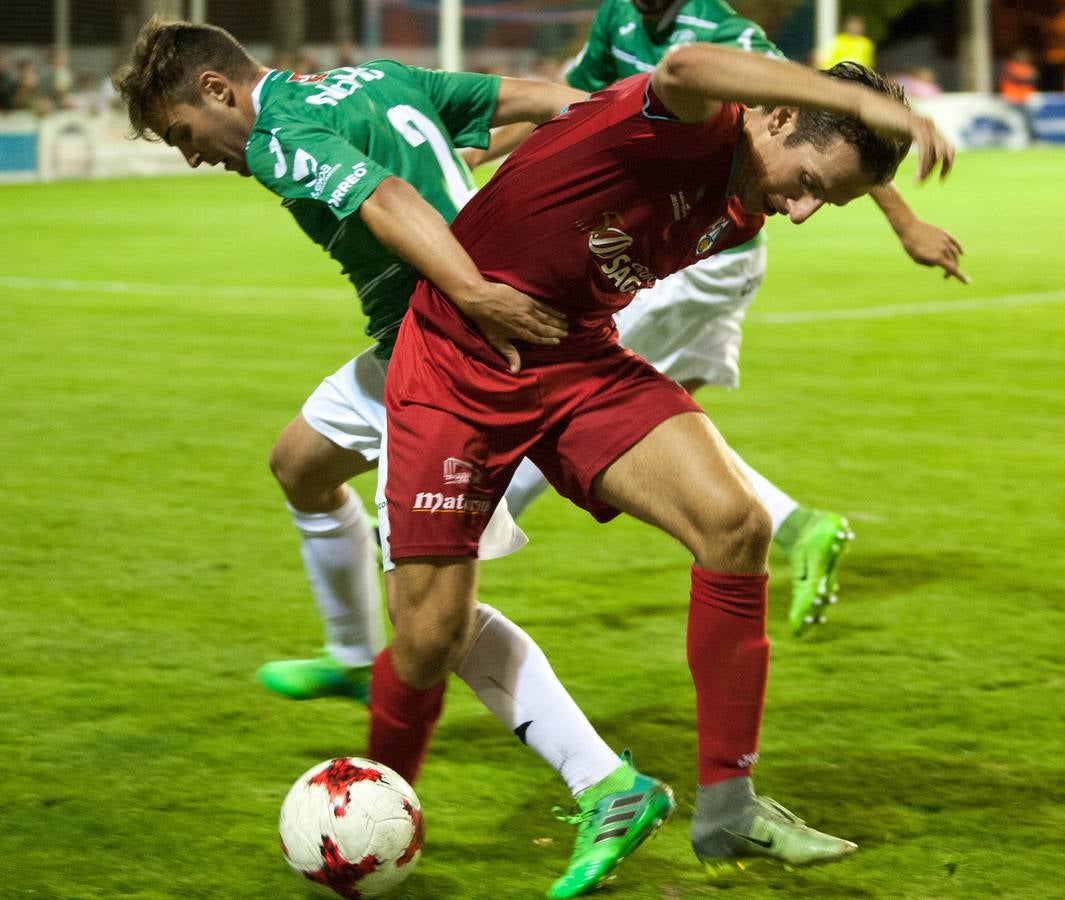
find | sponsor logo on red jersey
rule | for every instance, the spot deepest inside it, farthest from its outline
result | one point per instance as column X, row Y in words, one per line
column 609, row 243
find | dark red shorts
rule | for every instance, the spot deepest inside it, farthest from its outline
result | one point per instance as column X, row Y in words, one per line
column 457, row 429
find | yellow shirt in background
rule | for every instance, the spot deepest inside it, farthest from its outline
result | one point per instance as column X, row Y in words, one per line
column 855, row 47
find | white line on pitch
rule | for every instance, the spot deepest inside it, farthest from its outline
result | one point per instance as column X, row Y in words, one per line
column 139, row 287
column 889, row 311
column 899, row 310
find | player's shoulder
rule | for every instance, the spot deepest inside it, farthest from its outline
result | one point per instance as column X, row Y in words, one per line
column 706, row 13
column 716, row 22
column 287, row 92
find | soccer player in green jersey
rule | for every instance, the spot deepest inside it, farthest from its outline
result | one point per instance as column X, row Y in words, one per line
column 363, row 158
column 688, row 326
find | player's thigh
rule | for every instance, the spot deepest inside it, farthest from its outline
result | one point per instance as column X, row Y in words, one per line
column 681, row 477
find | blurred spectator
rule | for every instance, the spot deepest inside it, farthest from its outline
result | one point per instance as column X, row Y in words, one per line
column 306, row 62
column 545, row 68
column 27, row 93
column 8, row 82
column 1018, row 79
column 851, row 44
column 283, row 61
column 919, row 81
column 56, row 82
column 345, row 54
column 86, row 94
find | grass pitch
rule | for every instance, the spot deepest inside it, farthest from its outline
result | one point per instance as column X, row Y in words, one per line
column 158, row 334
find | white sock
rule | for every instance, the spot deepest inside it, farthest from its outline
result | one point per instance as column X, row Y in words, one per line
column 779, row 504
column 511, row 676
column 340, row 556
column 527, row 484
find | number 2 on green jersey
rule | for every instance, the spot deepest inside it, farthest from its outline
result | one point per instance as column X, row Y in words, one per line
column 416, row 128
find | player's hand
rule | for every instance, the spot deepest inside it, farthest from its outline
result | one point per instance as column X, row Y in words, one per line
column 504, row 315
column 895, row 120
column 472, row 156
column 932, row 246
column 932, row 148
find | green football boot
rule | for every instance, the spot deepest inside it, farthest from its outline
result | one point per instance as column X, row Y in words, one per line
column 309, row 679
column 614, row 816
column 814, row 558
column 775, row 833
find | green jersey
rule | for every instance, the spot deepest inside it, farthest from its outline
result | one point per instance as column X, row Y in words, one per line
column 620, row 45
column 325, row 142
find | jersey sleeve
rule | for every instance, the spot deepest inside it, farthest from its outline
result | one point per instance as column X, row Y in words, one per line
column 465, row 102
column 304, row 162
column 594, row 68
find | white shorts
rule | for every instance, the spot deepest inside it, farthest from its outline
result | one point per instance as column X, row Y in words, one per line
column 348, row 408
column 688, row 325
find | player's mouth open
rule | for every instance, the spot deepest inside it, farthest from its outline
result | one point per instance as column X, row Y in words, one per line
column 770, row 210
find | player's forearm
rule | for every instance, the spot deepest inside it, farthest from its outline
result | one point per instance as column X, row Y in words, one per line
column 408, row 226
column 521, row 100
column 504, row 140
column 895, row 209
column 692, row 80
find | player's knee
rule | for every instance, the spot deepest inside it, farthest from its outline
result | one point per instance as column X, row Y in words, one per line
column 736, row 537
column 282, row 468
column 296, row 478
column 424, row 651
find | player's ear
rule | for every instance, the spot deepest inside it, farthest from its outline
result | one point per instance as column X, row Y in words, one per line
column 782, row 120
column 215, row 86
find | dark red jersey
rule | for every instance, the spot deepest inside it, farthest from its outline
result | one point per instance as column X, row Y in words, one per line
column 598, row 203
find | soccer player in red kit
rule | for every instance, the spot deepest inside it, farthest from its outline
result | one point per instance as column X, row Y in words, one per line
column 639, row 181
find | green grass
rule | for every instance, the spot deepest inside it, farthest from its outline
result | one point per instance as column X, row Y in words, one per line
column 148, row 565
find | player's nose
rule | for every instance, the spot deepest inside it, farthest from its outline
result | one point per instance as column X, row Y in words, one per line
column 193, row 159
column 800, row 210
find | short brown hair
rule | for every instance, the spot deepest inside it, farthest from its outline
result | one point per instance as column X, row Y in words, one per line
column 880, row 156
column 167, row 60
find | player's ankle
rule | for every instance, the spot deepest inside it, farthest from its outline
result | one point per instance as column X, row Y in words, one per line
column 728, row 803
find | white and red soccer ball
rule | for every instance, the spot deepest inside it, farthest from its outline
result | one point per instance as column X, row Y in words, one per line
column 353, row 825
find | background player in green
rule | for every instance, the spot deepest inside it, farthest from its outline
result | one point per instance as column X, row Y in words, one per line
column 332, row 145
column 688, row 326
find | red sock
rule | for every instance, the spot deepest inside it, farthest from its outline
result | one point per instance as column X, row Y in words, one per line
column 402, row 718
column 728, row 655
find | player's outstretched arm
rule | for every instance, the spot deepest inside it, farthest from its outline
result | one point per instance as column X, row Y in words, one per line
column 693, row 80
column 522, row 100
column 405, row 223
column 504, row 140
column 926, row 243
column 521, row 106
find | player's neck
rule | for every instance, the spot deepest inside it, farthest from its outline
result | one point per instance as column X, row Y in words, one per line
column 245, row 97
column 744, row 164
column 662, row 27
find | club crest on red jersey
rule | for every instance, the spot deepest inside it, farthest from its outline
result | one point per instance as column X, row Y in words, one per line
column 706, row 243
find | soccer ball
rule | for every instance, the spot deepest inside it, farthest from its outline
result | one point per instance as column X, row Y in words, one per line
column 353, row 825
